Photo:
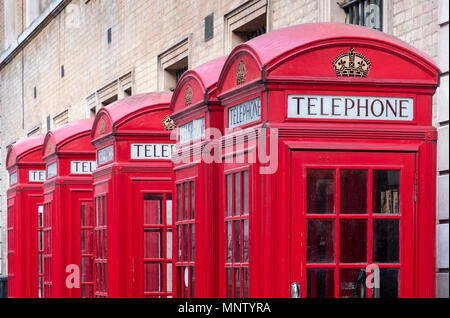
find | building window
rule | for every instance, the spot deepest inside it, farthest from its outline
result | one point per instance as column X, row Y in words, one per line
column 172, row 63
column 237, row 234
column 367, row 13
column 111, row 92
column 185, row 227
column 61, row 119
column 245, row 23
column 36, row 130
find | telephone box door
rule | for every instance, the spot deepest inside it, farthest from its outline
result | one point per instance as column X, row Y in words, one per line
column 352, row 224
column 152, row 239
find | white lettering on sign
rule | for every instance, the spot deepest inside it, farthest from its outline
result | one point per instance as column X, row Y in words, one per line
column 350, row 107
column 244, row 113
column 82, row 167
column 13, row 178
column 51, row 170
column 36, row 175
column 105, row 154
column 151, row 151
column 192, row 130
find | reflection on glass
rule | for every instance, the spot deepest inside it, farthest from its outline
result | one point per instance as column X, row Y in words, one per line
column 178, row 202
column 352, row 283
column 245, row 242
column 152, row 209
column 237, row 193
column 389, row 285
column 386, row 244
column 192, row 187
column 229, row 194
column 320, row 283
column 386, row 191
column 320, row 191
column 152, row 277
column 152, row 243
column 353, row 240
column 353, row 191
column 229, row 282
column 229, row 241
column 169, row 209
column 237, row 241
column 244, row 282
column 245, row 191
column 169, row 243
column 237, row 282
column 320, row 245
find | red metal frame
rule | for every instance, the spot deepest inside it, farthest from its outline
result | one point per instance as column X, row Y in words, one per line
column 67, row 190
column 195, row 98
column 125, row 191
column 24, row 198
column 298, row 60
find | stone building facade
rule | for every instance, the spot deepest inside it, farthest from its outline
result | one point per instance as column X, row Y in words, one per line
column 62, row 60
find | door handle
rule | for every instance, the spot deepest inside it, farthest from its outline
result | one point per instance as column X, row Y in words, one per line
column 295, row 290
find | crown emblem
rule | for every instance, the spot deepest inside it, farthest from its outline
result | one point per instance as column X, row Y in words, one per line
column 188, row 95
column 351, row 64
column 168, row 123
column 240, row 73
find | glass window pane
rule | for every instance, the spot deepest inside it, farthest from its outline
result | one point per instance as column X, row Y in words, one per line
column 153, row 243
column 352, row 283
column 229, row 241
column 169, row 209
column 320, row 283
column 169, row 244
column 179, row 242
column 320, row 245
column 386, row 241
column 353, row 241
column 153, row 209
column 320, row 191
column 237, row 193
column 245, row 192
column 104, row 210
column 192, row 242
column 237, row 282
column 245, row 241
column 185, row 242
column 245, row 282
column 386, row 191
column 169, row 277
column 353, row 191
column 389, row 284
column 40, row 213
column 192, row 203
column 237, row 241
column 229, row 194
column 192, row 283
column 178, row 202
column 229, row 282
column 153, row 277
column 185, row 200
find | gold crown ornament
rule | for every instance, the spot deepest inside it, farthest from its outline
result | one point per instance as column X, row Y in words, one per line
column 351, row 64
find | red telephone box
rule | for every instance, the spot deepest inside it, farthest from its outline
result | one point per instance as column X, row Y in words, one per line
column 133, row 197
column 68, row 211
column 346, row 189
column 195, row 110
column 24, row 218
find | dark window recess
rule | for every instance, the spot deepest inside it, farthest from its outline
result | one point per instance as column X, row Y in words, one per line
column 180, row 72
column 255, row 33
column 209, row 27
column 34, row 92
column 109, row 36
column 48, row 123
column 62, row 70
column 128, row 92
column 367, row 13
column 110, row 100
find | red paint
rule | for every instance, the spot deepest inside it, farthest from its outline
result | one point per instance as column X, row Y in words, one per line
column 24, row 198
column 127, row 190
column 66, row 196
column 298, row 60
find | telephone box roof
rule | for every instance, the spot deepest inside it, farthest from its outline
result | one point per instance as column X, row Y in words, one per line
column 22, row 148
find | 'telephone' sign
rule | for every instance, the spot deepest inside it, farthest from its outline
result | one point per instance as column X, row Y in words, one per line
column 36, row 175
column 82, row 167
column 151, row 151
column 350, row 107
